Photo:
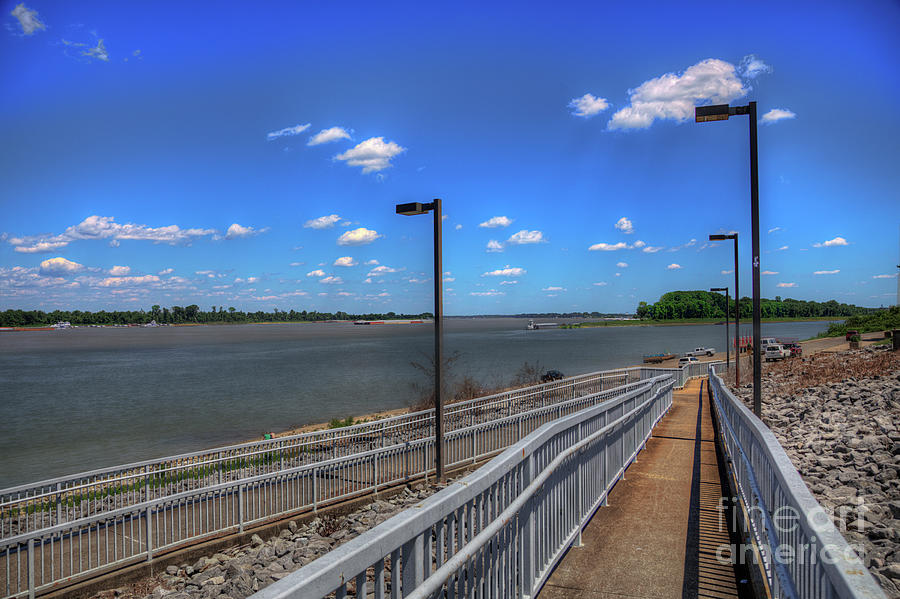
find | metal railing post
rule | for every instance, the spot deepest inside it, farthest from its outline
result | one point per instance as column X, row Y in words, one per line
column 241, row 508
column 30, row 568
column 149, row 529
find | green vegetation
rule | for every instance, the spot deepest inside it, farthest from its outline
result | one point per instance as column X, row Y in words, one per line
column 181, row 315
column 882, row 320
column 681, row 305
column 338, row 423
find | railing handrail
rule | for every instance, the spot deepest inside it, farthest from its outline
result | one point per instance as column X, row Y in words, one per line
column 361, row 552
column 849, row 577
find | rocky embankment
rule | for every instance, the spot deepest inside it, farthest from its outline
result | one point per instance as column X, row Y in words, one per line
column 242, row 570
column 838, row 418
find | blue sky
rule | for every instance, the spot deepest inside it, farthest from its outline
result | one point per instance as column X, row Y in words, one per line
column 167, row 153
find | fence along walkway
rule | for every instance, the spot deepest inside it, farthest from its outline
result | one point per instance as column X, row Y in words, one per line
column 32, row 507
column 72, row 550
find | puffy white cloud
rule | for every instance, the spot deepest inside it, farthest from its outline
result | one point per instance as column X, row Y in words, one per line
column 496, row 221
column 608, row 247
column 488, row 293
column 371, row 262
column 638, row 244
column 331, row 280
column 671, row 96
column 372, row 155
column 236, row 230
column 118, row 271
column 552, row 288
column 458, row 227
column 652, row 249
column 345, row 261
column 588, row 105
column 621, row 265
column 506, row 271
column 673, row 266
column 127, row 281
column 166, row 271
column 105, row 227
column 323, row 222
column 360, row 236
column 524, row 237
column 775, row 115
column 767, row 272
column 316, row 273
column 381, row 270
column 494, row 246
column 287, row 131
column 328, row 135
column 831, row 243
column 60, row 266
column 28, row 19
column 827, row 272
column 625, row 225
column 751, row 67
column 787, row 285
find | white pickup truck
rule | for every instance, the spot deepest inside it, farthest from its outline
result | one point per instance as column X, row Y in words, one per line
column 701, row 351
column 776, row 352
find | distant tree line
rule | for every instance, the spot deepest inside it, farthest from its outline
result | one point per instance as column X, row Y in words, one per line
column 182, row 315
column 677, row 305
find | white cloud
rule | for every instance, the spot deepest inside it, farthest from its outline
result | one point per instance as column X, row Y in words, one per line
column 786, row 285
column 236, row 230
column 767, row 272
column 345, row 261
column 372, row 262
column 373, row 154
column 639, row 244
column 458, row 227
column 360, row 236
column 297, row 263
column 488, row 293
column 827, row 272
column 119, row 270
column 28, row 19
column 328, row 135
column 893, row 276
column 651, row 249
column 625, row 225
column 449, row 279
column 509, row 282
column 551, row 288
column 782, row 248
column 166, row 271
column 831, row 243
column 751, row 67
column 775, row 115
column 60, row 266
column 621, row 265
column 601, row 284
column 608, row 247
column 316, row 273
column 673, row 266
column 506, row 271
column 99, row 52
column 323, row 222
column 773, row 229
column 120, row 281
column 105, row 227
column 381, row 270
column 727, row 272
column 494, row 246
column 287, row 131
column 496, row 221
column 671, row 96
column 525, row 237
column 331, row 280
column 588, row 105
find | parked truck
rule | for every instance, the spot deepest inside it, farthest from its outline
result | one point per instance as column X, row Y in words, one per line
column 701, row 351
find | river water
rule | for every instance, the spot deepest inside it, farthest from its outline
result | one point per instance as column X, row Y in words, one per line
column 74, row 400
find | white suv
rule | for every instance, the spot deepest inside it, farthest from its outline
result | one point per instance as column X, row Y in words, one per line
column 687, row 360
column 776, row 352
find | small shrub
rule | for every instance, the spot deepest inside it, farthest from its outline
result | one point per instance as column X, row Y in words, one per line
column 338, row 423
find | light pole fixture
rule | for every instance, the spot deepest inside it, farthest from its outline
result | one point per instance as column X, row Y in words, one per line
column 727, row 340
column 721, row 112
column 412, row 209
column 737, row 306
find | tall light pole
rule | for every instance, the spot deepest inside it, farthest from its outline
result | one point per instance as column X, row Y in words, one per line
column 410, row 210
column 721, row 112
column 727, row 348
column 737, row 306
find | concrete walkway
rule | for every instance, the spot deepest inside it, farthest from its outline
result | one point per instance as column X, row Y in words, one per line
column 663, row 526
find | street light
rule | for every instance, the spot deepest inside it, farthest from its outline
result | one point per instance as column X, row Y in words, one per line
column 737, row 306
column 411, row 210
column 721, row 112
column 727, row 348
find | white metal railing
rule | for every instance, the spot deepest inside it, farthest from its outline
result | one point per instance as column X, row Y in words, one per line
column 500, row 531
column 802, row 553
column 35, row 506
column 71, row 550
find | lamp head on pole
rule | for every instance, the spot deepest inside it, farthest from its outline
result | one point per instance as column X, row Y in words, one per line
column 725, row 289
column 720, row 237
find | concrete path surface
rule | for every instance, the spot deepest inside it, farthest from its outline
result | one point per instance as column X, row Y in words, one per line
column 661, row 531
